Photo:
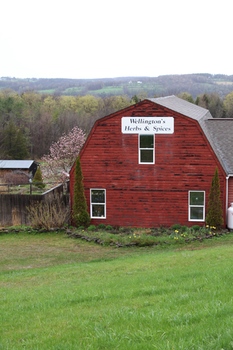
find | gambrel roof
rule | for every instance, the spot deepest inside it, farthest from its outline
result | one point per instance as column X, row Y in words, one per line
column 183, row 107
column 219, row 132
column 220, row 135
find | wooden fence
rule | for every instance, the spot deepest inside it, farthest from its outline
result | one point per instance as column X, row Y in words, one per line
column 13, row 207
column 25, row 188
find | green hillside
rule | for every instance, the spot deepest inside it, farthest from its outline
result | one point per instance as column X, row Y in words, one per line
column 194, row 84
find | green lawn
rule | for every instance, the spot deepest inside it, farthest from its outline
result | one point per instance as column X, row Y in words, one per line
column 62, row 293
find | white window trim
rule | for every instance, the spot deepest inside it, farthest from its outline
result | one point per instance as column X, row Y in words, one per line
column 139, row 149
column 104, row 204
column 197, row 206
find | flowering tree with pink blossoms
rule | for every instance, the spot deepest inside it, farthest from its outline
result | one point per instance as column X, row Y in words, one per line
column 62, row 155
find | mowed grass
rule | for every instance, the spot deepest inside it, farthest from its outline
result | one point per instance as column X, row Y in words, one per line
column 62, row 293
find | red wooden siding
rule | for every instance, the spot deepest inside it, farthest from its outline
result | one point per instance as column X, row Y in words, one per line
column 147, row 195
column 230, row 191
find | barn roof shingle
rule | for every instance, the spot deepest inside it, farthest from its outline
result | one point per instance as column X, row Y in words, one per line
column 183, row 107
column 220, row 135
column 219, row 132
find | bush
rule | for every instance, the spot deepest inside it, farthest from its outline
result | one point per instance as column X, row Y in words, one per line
column 80, row 214
column 214, row 215
column 38, row 179
column 82, row 218
column 48, row 215
column 91, row 228
column 195, row 228
column 102, row 226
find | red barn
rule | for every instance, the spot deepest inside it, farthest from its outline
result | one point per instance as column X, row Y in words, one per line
column 152, row 164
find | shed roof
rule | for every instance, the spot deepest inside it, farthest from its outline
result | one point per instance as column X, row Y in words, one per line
column 15, row 164
column 219, row 132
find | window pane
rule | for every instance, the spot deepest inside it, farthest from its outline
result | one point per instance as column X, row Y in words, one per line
column 146, row 156
column 146, row 141
column 98, row 196
column 196, row 213
column 196, row 198
column 98, row 210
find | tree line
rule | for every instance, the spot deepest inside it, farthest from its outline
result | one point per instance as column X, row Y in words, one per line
column 31, row 122
column 163, row 85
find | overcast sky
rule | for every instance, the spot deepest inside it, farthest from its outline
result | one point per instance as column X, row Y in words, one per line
column 106, row 38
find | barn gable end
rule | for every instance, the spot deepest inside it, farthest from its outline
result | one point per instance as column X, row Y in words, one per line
column 169, row 185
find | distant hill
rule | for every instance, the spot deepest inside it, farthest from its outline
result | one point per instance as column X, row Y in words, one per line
column 194, row 84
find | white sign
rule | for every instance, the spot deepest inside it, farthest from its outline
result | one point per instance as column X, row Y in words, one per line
column 147, row 125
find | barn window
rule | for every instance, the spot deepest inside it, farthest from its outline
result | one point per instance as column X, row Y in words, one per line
column 146, row 149
column 196, row 205
column 98, row 203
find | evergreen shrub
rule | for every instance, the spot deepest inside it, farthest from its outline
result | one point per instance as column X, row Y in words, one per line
column 38, row 179
column 80, row 214
column 214, row 217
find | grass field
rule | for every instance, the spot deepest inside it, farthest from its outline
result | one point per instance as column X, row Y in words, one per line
column 62, row 293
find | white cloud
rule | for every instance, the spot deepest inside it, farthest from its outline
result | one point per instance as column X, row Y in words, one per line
column 95, row 39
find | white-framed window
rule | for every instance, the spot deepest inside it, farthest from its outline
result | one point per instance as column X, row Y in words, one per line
column 196, row 205
column 146, row 149
column 98, row 203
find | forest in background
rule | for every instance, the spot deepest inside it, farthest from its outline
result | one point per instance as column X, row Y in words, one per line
column 32, row 117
